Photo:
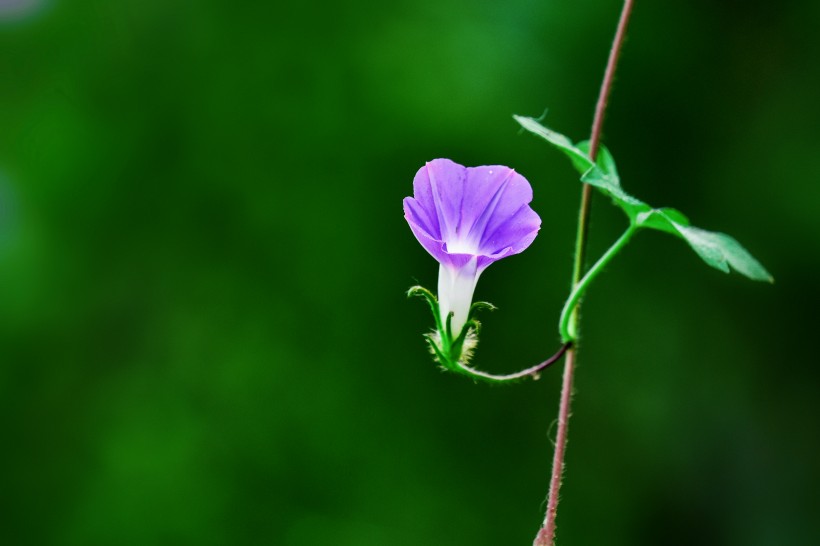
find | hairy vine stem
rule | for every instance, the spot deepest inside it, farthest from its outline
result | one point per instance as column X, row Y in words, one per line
column 532, row 371
column 546, row 535
column 567, row 324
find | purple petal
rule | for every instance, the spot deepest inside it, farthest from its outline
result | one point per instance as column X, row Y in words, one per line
column 431, row 244
column 416, row 214
column 458, row 212
column 436, row 247
column 438, row 188
column 516, row 231
column 490, row 190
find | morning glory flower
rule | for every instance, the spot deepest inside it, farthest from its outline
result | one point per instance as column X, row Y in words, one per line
column 467, row 218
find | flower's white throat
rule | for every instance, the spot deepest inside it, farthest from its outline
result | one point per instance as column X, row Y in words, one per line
column 455, row 293
column 464, row 245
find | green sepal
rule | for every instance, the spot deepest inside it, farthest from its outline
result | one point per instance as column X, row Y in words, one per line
column 452, row 353
column 457, row 344
column 463, row 346
column 481, row 306
column 448, row 329
column 421, row 292
column 476, row 326
column 437, row 354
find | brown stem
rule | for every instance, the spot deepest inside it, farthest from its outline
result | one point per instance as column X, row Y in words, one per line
column 606, row 85
column 546, row 535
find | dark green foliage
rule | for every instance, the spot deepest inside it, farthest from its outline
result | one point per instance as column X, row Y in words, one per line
column 716, row 249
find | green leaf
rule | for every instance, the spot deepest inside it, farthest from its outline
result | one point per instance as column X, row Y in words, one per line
column 722, row 252
column 716, row 249
column 604, row 163
column 604, row 160
column 602, row 174
column 605, row 178
column 663, row 220
column 578, row 157
column 632, row 206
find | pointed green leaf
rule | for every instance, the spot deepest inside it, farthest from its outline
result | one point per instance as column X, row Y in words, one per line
column 578, row 157
column 716, row 249
column 604, row 160
column 632, row 206
column 663, row 220
column 742, row 261
column 605, row 165
column 603, row 174
column 722, row 251
column 605, row 178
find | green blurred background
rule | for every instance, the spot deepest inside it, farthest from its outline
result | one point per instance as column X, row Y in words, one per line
column 204, row 337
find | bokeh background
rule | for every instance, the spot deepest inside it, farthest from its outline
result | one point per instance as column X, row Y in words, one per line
column 204, row 337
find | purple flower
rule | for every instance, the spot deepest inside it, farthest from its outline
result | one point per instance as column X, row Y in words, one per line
column 468, row 218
